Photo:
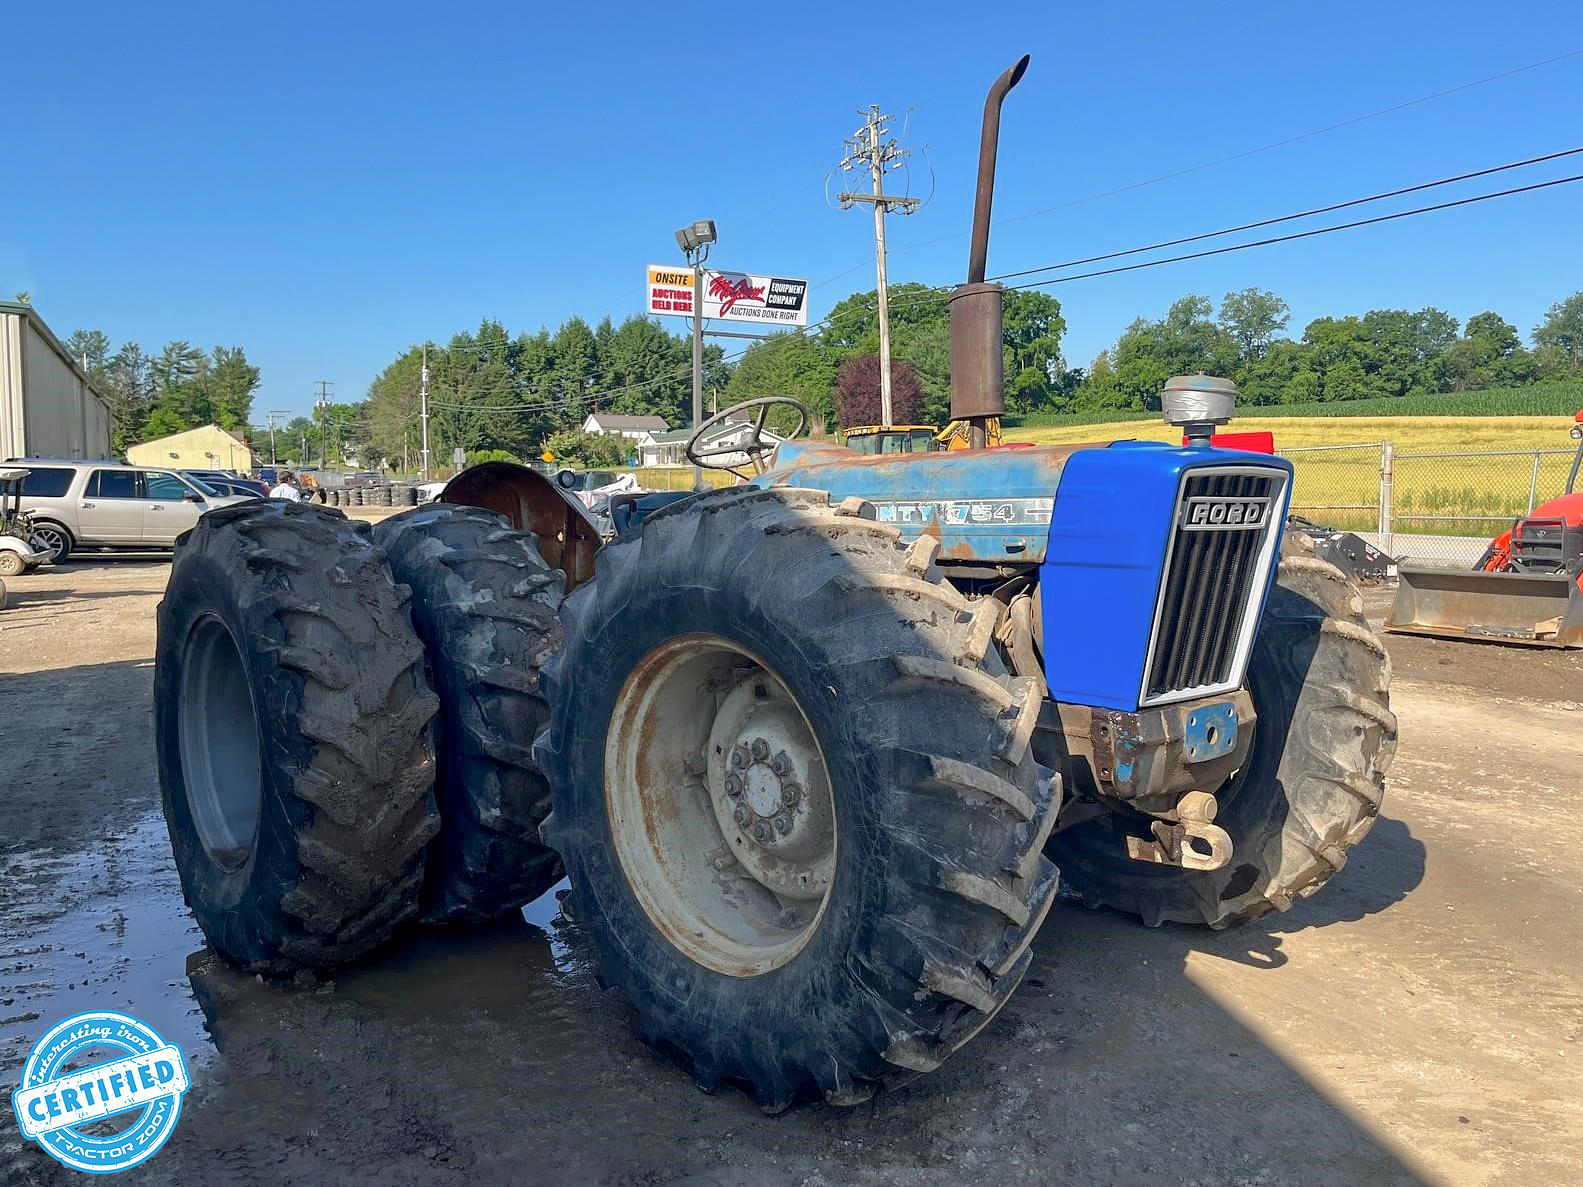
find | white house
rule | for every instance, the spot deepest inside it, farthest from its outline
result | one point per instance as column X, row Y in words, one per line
column 666, row 449
column 637, row 428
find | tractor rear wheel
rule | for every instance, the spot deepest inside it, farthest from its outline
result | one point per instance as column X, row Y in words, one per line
column 795, row 796
column 484, row 603
column 293, row 726
column 1325, row 734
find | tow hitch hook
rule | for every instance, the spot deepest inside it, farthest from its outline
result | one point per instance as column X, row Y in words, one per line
column 1193, row 842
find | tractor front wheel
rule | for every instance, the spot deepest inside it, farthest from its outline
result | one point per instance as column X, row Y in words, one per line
column 1320, row 682
column 795, row 796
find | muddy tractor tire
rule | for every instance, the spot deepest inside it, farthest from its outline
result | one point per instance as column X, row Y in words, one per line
column 1320, row 682
column 484, row 603
column 294, row 732
column 795, row 797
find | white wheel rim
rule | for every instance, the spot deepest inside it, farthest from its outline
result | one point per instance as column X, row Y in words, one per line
column 720, row 805
column 217, row 730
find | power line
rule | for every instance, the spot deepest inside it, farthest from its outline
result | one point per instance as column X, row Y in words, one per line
column 1364, row 222
column 1286, row 218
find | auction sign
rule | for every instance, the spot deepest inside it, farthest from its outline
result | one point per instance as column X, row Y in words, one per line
column 729, row 296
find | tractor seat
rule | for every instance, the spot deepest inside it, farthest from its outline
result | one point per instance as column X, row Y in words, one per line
column 629, row 511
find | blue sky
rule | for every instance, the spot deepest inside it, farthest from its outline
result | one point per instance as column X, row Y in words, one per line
column 327, row 184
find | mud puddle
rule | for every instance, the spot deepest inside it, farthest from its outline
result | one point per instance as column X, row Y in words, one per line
column 102, row 929
column 107, row 929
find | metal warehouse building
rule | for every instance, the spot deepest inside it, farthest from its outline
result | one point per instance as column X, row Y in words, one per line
column 48, row 407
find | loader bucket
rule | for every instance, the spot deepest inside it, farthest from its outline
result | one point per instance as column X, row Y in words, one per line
column 1531, row 609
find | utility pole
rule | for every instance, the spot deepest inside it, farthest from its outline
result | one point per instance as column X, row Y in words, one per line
column 322, row 407
column 870, row 148
column 272, row 416
column 423, row 415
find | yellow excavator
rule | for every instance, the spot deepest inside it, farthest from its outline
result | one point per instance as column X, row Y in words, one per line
column 876, row 439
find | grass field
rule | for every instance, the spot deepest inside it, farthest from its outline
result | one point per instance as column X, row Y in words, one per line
column 1454, row 496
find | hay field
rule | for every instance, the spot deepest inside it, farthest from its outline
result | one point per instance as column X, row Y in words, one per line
column 1456, row 496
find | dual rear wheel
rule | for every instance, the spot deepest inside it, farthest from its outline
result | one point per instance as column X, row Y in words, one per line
column 316, row 724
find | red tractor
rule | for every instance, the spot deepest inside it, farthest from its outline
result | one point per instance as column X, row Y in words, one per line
column 1527, row 587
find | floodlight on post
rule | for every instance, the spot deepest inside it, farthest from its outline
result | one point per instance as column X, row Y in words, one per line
column 694, row 240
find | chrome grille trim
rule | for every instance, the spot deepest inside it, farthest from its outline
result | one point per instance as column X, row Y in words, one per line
column 1212, row 581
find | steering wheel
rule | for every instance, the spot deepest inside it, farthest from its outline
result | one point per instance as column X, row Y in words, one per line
column 754, row 446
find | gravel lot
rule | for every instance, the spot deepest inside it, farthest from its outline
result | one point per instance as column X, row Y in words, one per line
column 1420, row 1020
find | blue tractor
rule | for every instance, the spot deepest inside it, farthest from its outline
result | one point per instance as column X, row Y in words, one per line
column 813, row 750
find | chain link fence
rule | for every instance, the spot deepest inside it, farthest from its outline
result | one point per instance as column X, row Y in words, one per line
column 1438, row 509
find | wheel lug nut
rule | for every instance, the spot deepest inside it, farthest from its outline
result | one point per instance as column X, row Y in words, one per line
column 761, row 833
column 740, row 814
column 780, row 764
column 783, row 824
column 761, row 749
column 733, row 784
column 791, row 793
column 740, row 757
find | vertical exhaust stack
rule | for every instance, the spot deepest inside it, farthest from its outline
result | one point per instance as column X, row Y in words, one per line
column 978, row 389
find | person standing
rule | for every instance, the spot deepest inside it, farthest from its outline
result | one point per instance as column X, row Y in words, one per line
column 286, row 487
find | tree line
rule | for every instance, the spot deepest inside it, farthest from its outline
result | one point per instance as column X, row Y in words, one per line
column 1385, row 353
column 490, row 389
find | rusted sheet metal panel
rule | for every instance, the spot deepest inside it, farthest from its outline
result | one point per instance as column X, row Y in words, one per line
column 984, row 505
column 567, row 538
column 1530, row 609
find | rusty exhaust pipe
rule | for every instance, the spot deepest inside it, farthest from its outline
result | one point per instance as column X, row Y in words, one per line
column 988, row 146
column 978, row 388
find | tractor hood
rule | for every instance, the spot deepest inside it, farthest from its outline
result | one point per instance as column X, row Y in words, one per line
column 1154, row 560
column 985, row 505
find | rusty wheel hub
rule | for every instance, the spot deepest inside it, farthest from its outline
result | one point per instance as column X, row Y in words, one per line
column 720, row 805
column 771, row 795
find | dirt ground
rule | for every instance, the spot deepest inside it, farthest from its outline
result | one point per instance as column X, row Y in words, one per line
column 1420, row 1020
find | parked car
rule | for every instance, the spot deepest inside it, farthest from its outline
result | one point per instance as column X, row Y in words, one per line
column 99, row 504
column 267, row 475
column 364, row 478
column 229, row 484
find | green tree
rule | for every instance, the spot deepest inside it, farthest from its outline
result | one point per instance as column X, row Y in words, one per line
column 794, row 365
column 1032, row 329
column 390, row 409
column 1560, row 336
column 1253, row 317
column 646, row 370
column 575, row 448
column 90, row 349
column 227, row 384
column 128, row 389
